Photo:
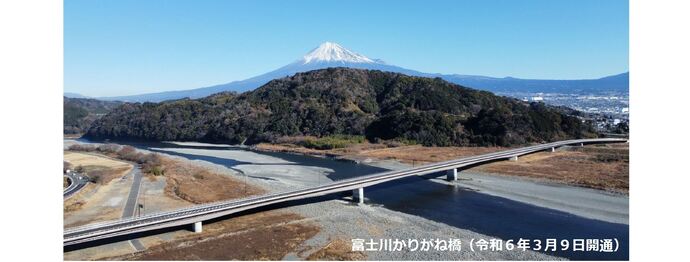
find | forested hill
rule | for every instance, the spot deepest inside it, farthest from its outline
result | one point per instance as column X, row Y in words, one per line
column 79, row 113
column 379, row 105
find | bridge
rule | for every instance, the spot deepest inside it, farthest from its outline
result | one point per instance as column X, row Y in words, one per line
column 196, row 215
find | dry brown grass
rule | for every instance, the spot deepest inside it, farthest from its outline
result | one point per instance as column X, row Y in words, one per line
column 599, row 167
column 197, row 185
column 77, row 201
column 337, row 249
column 103, row 175
column 83, row 159
column 292, row 148
column 261, row 236
column 100, row 168
column 72, row 206
column 603, row 167
column 424, row 155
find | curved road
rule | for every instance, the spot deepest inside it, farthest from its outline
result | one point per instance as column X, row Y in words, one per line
column 205, row 212
column 77, row 182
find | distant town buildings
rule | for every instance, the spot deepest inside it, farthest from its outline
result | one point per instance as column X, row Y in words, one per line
column 607, row 111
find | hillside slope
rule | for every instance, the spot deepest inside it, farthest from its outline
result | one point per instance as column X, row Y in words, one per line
column 379, row 105
column 79, row 113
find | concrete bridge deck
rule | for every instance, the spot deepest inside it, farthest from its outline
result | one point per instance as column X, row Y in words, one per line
column 197, row 214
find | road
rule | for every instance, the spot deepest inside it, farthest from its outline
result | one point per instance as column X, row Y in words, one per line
column 77, row 183
column 190, row 215
column 132, row 199
column 132, row 203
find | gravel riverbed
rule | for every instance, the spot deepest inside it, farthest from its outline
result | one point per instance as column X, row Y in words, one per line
column 340, row 218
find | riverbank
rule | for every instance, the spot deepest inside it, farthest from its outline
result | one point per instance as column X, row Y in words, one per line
column 603, row 167
column 415, row 208
column 181, row 183
column 338, row 218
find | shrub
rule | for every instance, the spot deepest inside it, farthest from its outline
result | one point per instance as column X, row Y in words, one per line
column 156, row 171
column 152, row 164
column 108, row 148
column 127, row 153
column 80, row 147
column 96, row 176
column 332, row 142
column 610, row 157
column 65, row 166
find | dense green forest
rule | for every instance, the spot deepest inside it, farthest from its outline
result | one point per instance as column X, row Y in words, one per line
column 79, row 113
column 342, row 101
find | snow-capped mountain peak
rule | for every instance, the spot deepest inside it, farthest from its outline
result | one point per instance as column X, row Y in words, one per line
column 332, row 52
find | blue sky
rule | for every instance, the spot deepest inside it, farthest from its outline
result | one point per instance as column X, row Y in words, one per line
column 131, row 47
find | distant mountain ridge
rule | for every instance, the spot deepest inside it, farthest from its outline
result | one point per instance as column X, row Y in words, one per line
column 615, row 83
column 333, row 55
column 74, row 95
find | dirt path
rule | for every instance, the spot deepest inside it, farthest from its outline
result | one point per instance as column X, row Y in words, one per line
column 98, row 201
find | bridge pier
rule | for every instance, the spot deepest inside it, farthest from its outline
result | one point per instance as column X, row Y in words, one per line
column 582, row 144
column 553, row 149
column 452, row 175
column 513, row 158
column 197, row 227
column 358, row 195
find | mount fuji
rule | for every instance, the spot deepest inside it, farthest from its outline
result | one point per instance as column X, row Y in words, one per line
column 330, row 54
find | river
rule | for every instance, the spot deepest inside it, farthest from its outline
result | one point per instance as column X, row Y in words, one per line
column 475, row 202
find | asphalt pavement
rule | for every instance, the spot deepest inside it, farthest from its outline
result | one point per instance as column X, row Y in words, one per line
column 133, row 201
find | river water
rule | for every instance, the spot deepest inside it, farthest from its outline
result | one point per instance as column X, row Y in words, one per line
column 451, row 204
